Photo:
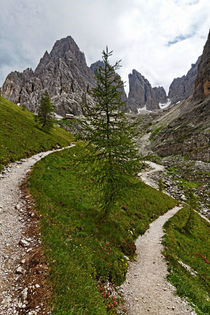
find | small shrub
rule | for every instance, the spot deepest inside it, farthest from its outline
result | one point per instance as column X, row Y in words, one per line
column 160, row 184
column 128, row 248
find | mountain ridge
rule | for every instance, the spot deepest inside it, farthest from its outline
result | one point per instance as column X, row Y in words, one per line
column 66, row 76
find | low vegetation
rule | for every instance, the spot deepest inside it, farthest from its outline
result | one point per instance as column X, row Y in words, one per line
column 45, row 115
column 190, row 176
column 83, row 253
column 20, row 137
column 187, row 241
column 156, row 132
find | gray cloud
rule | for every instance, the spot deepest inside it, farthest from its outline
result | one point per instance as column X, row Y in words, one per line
column 138, row 31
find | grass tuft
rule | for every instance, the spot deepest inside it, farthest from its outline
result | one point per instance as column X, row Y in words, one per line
column 187, row 240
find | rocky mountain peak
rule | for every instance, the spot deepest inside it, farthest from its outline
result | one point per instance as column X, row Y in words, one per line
column 142, row 94
column 183, row 87
column 43, row 62
column 62, row 46
column 96, row 65
column 63, row 73
column 160, row 94
column 202, row 82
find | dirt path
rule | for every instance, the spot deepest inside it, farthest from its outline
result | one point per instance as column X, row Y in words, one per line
column 12, row 226
column 146, row 290
column 155, row 168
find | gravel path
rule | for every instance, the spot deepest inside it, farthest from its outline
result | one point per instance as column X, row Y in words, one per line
column 12, row 226
column 154, row 168
column 157, row 168
column 146, row 290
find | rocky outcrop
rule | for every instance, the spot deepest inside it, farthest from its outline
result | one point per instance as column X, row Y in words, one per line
column 202, row 82
column 160, row 94
column 187, row 134
column 95, row 66
column 142, row 94
column 183, row 87
column 184, row 128
column 63, row 73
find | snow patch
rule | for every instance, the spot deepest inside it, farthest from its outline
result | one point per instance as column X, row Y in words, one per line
column 143, row 109
column 164, row 105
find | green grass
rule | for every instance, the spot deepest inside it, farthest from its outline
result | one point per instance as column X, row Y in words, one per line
column 183, row 183
column 20, row 137
column 82, row 253
column 156, row 132
column 187, row 240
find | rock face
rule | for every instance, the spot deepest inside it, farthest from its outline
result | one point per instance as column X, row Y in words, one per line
column 63, row 73
column 184, row 129
column 187, row 133
column 142, row 94
column 160, row 94
column 202, row 82
column 95, row 66
column 183, row 87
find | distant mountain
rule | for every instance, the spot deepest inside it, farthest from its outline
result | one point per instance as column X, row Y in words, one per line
column 141, row 94
column 95, row 66
column 183, row 87
column 184, row 128
column 202, row 82
column 63, row 73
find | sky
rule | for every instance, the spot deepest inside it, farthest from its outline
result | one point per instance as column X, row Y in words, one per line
column 158, row 38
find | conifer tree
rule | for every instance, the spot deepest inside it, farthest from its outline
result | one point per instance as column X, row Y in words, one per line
column 115, row 157
column 45, row 114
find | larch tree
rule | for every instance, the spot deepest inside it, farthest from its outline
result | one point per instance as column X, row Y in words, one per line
column 114, row 160
column 45, row 114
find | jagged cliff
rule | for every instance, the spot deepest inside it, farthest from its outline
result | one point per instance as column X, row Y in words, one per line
column 142, row 94
column 63, row 73
column 184, row 128
column 183, row 87
column 66, row 76
column 202, row 82
column 95, row 66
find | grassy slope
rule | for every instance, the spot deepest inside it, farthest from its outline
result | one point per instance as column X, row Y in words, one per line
column 80, row 252
column 20, row 137
column 187, row 238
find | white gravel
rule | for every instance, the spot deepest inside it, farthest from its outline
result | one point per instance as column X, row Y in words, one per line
column 146, row 290
column 154, row 168
column 12, row 226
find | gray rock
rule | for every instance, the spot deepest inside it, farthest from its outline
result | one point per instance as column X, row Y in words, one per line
column 24, row 294
column 20, row 270
column 183, row 87
column 95, row 66
column 18, row 207
column 24, row 243
column 202, row 82
column 63, row 73
column 142, row 94
column 160, row 94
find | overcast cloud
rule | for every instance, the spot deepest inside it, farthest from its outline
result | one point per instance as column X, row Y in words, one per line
column 158, row 38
